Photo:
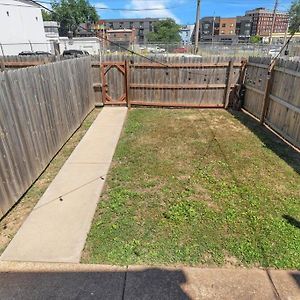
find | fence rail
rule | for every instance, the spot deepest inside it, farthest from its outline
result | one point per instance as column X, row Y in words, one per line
column 40, row 108
column 18, row 61
column 272, row 95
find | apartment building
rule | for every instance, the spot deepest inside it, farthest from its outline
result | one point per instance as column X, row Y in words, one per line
column 227, row 26
column 262, row 19
column 229, row 30
column 142, row 26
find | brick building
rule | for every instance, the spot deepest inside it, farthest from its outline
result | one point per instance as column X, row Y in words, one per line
column 227, row 26
column 123, row 37
column 142, row 26
column 229, row 30
column 262, row 21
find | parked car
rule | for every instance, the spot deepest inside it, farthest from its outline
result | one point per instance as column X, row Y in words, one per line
column 74, row 53
column 274, row 52
column 42, row 53
column 156, row 49
column 180, row 50
column 26, row 53
column 30, row 53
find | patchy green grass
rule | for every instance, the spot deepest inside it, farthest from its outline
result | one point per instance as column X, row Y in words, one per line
column 198, row 188
column 10, row 224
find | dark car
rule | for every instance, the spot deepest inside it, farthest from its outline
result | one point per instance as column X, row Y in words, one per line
column 42, row 53
column 26, row 53
column 74, row 53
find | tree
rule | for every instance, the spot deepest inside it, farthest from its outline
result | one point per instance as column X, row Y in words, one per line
column 294, row 16
column 254, row 39
column 165, row 31
column 71, row 13
column 47, row 16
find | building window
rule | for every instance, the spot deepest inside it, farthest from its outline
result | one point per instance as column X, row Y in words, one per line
column 223, row 25
column 206, row 26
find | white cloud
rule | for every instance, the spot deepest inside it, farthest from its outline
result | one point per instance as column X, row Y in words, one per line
column 100, row 4
column 163, row 11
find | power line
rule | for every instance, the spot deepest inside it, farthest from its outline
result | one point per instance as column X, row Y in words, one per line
column 136, row 9
column 126, row 9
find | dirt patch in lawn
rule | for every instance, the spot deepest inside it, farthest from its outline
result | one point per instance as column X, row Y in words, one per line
column 10, row 224
column 198, row 187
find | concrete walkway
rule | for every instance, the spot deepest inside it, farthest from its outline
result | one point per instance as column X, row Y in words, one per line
column 57, row 228
column 76, row 281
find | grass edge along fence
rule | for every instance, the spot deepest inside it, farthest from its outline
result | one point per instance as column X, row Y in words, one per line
column 40, row 108
column 274, row 98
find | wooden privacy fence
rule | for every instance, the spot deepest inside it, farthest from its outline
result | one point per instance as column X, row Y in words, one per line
column 165, row 81
column 18, row 61
column 40, row 108
column 274, row 96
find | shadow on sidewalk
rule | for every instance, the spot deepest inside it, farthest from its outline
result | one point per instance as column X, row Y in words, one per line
column 296, row 277
column 270, row 140
column 144, row 284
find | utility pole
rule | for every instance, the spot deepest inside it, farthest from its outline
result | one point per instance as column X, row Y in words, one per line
column 213, row 29
column 273, row 21
column 197, row 27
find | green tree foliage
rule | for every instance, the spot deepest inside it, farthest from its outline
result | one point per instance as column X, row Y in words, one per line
column 71, row 13
column 165, row 31
column 47, row 16
column 295, row 16
column 255, row 39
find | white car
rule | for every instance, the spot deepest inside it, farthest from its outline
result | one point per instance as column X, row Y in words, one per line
column 156, row 49
column 274, row 52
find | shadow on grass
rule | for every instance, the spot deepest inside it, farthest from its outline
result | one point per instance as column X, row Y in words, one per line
column 292, row 221
column 270, row 140
column 142, row 284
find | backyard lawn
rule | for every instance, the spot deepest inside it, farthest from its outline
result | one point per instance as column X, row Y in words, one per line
column 198, row 187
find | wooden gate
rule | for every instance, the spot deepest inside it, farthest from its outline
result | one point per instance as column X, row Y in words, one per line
column 114, row 83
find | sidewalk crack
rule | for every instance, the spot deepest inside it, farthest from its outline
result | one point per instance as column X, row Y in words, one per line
column 124, row 285
column 275, row 291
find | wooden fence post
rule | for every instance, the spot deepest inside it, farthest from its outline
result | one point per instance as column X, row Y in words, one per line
column 127, row 83
column 103, row 68
column 2, row 65
column 228, row 84
column 266, row 99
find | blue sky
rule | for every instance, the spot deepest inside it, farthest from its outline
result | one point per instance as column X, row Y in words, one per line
column 183, row 10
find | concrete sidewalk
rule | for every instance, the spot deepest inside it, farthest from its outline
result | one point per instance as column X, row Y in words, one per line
column 78, row 281
column 57, row 228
